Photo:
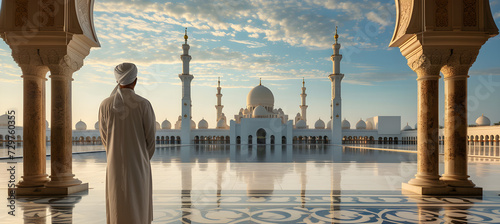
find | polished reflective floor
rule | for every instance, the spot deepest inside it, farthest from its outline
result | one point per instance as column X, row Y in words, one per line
column 266, row 184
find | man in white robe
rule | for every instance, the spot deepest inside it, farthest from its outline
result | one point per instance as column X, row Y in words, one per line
column 127, row 126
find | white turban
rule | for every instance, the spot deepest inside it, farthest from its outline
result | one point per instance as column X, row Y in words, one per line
column 125, row 74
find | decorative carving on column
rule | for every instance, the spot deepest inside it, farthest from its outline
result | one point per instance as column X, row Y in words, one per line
column 460, row 61
column 61, row 60
column 26, row 56
column 470, row 15
column 34, row 149
column 427, row 63
column 441, row 13
column 21, row 15
column 62, row 65
column 47, row 13
column 455, row 143
column 404, row 16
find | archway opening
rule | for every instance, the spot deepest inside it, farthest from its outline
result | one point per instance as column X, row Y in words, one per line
column 261, row 136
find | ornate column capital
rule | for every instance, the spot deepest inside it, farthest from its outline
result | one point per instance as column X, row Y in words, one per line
column 28, row 59
column 459, row 62
column 428, row 62
column 60, row 62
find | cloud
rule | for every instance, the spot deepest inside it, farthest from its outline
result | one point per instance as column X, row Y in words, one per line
column 148, row 34
column 219, row 33
column 254, row 35
column 374, row 17
column 308, row 23
column 250, row 44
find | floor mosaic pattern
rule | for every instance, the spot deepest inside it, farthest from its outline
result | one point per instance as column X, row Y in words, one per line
column 284, row 207
column 287, row 184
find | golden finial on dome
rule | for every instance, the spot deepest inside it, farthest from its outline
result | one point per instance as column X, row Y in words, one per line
column 260, row 81
column 303, row 82
column 218, row 82
column 336, row 35
column 186, row 34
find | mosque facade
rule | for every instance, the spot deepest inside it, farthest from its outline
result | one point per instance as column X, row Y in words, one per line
column 261, row 123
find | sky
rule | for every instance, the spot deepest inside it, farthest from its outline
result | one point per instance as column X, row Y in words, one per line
column 280, row 42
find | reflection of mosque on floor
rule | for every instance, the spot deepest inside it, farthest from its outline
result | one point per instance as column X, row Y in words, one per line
column 264, row 192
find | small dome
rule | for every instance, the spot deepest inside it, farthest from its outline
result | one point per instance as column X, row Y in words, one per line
column 96, row 125
column 346, row 124
column 329, row 124
column 369, row 125
column 178, row 123
column 407, row 127
column 80, row 126
column 260, row 95
column 259, row 112
column 361, row 124
column 320, row 124
column 203, row 124
column 166, row 124
column 221, row 124
column 483, row 121
column 301, row 124
column 4, row 121
column 193, row 125
column 246, row 111
column 158, row 126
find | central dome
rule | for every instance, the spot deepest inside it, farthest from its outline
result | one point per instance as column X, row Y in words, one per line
column 260, row 95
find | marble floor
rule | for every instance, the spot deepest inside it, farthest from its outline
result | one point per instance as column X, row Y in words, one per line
column 289, row 184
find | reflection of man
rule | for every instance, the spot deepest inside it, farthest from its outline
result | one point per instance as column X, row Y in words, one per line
column 127, row 126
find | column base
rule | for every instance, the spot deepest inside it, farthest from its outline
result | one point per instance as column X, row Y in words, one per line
column 407, row 188
column 33, row 181
column 428, row 181
column 457, row 181
column 63, row 180
column 43, row 191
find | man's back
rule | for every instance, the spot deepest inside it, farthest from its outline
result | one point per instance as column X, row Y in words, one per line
column 128, row 134
column 135, row 116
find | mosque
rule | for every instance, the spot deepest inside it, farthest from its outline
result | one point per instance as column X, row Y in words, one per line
column 260, row 123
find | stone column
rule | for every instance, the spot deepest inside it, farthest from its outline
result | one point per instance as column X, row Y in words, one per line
column 455, row 133
column 34, row 130
column 61, row 135
column 427, row 68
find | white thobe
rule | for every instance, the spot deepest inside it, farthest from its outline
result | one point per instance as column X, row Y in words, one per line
column 128, row 135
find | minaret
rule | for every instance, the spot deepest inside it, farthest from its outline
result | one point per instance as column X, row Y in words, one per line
column 186, row 93
column 336, row 79
column 219, row 106
column 303, row 106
